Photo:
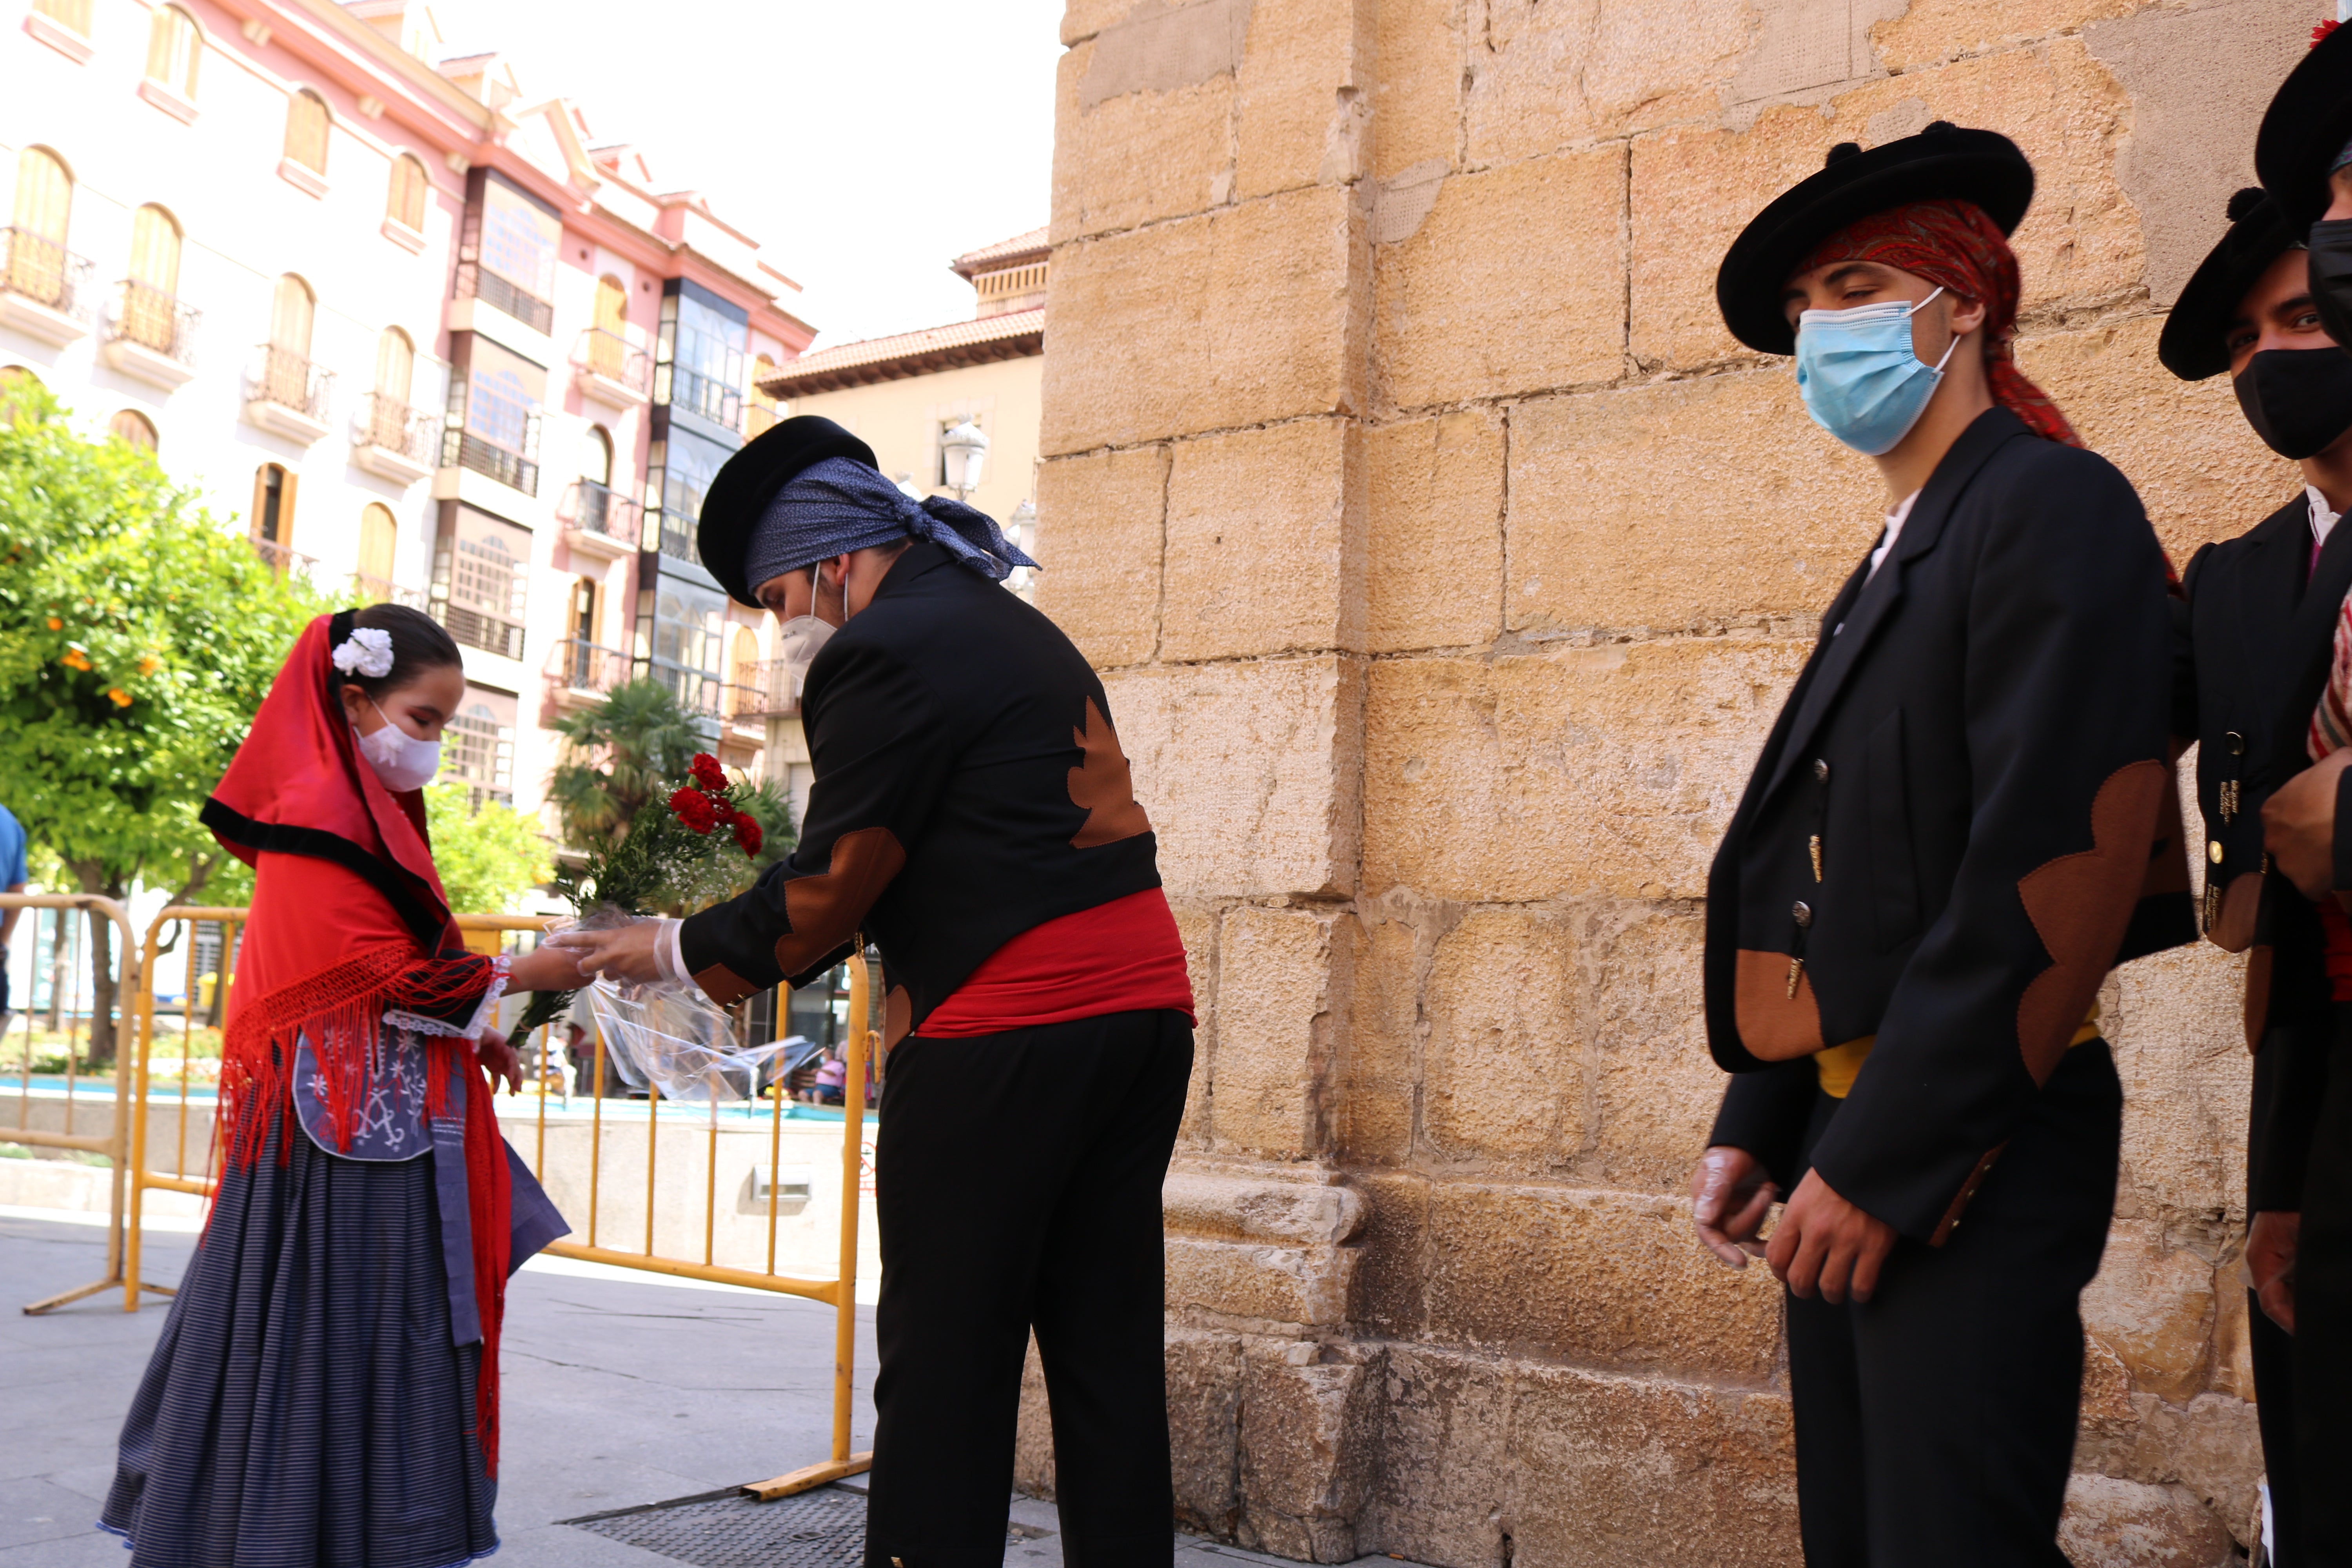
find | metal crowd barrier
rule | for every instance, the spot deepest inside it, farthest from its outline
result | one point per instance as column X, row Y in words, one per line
column 586, row 1242
column 72, row 1004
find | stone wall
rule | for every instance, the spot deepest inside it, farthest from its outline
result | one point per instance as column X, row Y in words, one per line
column 1447, row 561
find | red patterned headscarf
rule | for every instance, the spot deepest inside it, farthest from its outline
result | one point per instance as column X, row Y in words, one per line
column 1953, row 244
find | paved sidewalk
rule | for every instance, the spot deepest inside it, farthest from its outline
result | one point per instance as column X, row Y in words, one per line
column 617, row 1393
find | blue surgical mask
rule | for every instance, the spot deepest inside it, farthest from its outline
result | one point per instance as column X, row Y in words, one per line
column 1861, row 380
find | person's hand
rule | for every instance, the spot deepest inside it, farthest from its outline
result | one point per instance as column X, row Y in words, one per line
column 1729, row 1198
column 1826, row 1245
column 544, row 968
column 2299, row 826
column 626, row 952
column 500, row 1059
column 2270, row 1263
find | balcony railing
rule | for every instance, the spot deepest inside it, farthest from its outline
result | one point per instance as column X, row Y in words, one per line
column 704, row 695
column 676, row 537
column 34, row 266
column 282, row 560
column 288, row 380
column 707, row 396
column 367, row 589
column 464, row 449
column 476, row 281
column 145, row 315
column 764, row 690
column 394, row 427
column 577, row 665
column 480, row 628
column 597, row 508
column 609, row 356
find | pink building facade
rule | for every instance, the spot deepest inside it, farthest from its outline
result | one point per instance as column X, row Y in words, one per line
column 414, row 334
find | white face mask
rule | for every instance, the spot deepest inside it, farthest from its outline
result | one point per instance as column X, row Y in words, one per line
column 400, row 759
column 798, row 640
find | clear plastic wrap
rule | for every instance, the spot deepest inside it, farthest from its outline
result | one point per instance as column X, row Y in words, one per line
column 670, row 1038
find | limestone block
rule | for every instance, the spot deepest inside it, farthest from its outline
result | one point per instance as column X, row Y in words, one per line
column 1435, row 515
column 1263, row 553
column 1032, row 1437
column 1290, row 1285
column 2152, row 1305
column 1416, row 102
column 1204, row 1391
column 2233, row 1354
column 1082, row 19
column 1595, row 1277
column 1385, row 1298
column 1554, row 76
column 1137, row 157
column 2185, row 445
column 1250, row 1202
column 1682, row 506
column 1515, row 282
column 1196, row 927
column 1246, row 770
column 2180, row 1049
column 1503, row 1064
column 1378, row 1053
column 1607, row 770
column 2116, row 1521
column 1925, row 34
column 1099, row 521
column 1302, row 114
column 2211, row 1446
column 1242, row 316
column 1610, row 1471
column 1305, row 1411
column 1443, row 1490
column 1656, row 1089
column 1282, row 979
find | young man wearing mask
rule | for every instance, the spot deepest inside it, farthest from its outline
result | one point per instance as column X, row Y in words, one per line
column 1943, row 849
column 2304, row 154
column 973, row 816
column 2259, row 631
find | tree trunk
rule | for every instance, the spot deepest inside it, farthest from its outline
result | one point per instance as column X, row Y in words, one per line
column 103, row 991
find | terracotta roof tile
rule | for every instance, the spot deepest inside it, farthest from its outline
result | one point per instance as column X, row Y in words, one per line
column 911, row 354
column 989, row 256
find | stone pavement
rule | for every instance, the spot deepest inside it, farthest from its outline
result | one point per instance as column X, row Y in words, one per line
column 618, row 1391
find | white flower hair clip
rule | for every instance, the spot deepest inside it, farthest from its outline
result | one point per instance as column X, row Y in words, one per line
column 367, row 651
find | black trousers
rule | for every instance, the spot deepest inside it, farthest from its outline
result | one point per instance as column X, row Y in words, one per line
column 2272, row 1350
column 1936, row 1421
column 2323, row 1331
column 1017, row 1182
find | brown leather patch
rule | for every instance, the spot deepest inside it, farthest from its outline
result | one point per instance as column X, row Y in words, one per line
column 1774, row 1025
column 2232, row 930
column 2167, row 857
column 1103, row 786
column 2258, row 995
column 1951, row 1220
column 825, row 911
column 2080, row 904
column 723, row 986
column 898, row 1017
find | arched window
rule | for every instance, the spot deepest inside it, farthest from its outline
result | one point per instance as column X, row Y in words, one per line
column 74, row 14
column 608, row 346
column 173, row 47
column 395, row 366
column 597, row 455
column 405, row 204
column 273, row 511
column 36, row 251
column 763, row 412
column 306, row 131
column 149, row 313
column 378, row 536
column 135, row 429
column 291, row 310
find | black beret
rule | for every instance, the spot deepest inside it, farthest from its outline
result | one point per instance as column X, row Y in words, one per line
column 2306, row 125
column 749, row 480
column 1942, row 162
column 2194, row 344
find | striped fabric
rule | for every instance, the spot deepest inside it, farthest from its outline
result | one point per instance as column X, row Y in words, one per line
column 2331, row 721
column 305, row 1407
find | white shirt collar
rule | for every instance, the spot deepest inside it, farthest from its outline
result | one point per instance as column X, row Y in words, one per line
column 2323, row 521
column 1894, row 521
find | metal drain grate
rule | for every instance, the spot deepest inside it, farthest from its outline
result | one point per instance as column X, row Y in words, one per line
column 820, row 1529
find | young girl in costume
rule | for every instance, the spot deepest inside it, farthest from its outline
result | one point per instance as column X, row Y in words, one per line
column 325, row 1391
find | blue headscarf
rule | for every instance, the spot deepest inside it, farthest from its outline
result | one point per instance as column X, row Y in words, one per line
column 838, row 505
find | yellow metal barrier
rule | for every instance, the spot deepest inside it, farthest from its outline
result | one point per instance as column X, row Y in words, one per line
column 77, row 1030
column 840, row 1291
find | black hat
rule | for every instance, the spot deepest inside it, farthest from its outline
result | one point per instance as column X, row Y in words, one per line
column 2306, row 125
column 1941, row 163
column 2194, row 344
column 750, row 480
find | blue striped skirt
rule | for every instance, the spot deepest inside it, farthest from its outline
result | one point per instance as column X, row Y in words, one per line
column 305, row 1407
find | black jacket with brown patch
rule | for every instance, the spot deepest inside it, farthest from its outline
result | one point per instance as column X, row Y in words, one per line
column 968, row 787
column 1957, row 825
column 2254, row 646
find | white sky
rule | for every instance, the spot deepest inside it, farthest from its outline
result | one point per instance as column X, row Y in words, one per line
column 864, row 143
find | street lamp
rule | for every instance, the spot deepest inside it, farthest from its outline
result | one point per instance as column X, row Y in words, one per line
column 964, row 452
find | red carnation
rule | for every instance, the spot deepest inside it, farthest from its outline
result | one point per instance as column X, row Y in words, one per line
column 2319, row 33
column 747, row 835
column 708, row 774
column 692, row 807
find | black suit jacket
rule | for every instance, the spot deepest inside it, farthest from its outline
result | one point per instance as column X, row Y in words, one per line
column 969, row 786
column 1957, row 822
column 2252, row 654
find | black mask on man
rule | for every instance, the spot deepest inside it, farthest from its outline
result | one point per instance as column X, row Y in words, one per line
column 2331, row 278
column 2298, row 400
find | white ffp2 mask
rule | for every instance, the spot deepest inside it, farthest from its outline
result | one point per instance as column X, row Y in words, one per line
column 400, row 759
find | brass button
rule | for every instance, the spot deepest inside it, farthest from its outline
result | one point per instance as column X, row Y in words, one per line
column 2213, row 851
column 1822, row 769
column 1802, row 912
column 2236, row 742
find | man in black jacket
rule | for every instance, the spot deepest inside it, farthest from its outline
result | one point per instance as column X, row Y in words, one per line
column 1940, row 853
column 972, row 815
